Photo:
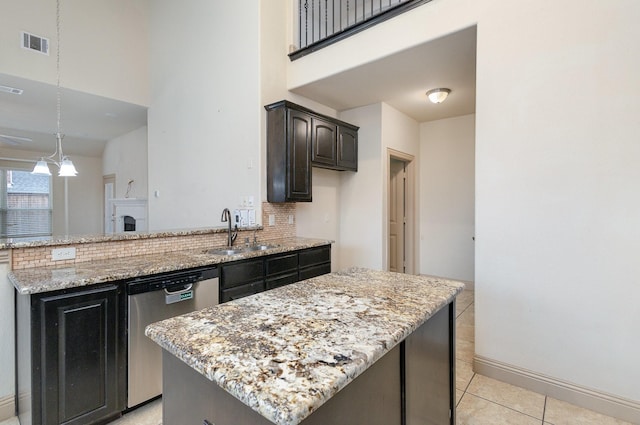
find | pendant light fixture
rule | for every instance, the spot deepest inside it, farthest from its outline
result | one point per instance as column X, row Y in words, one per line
column 66, row 167
column 438, row 95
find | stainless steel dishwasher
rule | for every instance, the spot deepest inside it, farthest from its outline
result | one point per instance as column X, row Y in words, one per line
column 154, row 298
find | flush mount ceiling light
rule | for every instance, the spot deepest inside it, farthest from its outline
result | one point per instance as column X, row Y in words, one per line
column 66, row 167
column 438, row 95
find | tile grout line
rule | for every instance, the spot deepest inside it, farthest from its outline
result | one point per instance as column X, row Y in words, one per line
column 465, row 309
column 507, row 407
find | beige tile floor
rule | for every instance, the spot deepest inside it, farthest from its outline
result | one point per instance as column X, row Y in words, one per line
column 481, row 400
column 485, row 401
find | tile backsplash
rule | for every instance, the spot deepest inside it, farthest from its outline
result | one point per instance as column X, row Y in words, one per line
column 40, row 256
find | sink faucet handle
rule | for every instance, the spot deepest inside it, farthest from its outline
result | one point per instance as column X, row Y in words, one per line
column 235, row 233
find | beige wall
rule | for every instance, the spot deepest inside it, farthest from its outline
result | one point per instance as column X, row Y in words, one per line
column 556, row 166
column 126, row 158
column 205, row 112
column 104, row 45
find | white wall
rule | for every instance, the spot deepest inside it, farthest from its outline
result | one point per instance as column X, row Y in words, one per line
column 85, row 198
column 7, row 372
column 361, row 233
column 402, row 134
column 205, row 112
column 556, row 177
column 104, row 45
column 447, row 158
column 321, row 218
column 84, row 192
column 557, row 196
column 126, row 157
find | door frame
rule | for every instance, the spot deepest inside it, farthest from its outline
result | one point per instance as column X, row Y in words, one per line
column 107, row 210
column 411, row 203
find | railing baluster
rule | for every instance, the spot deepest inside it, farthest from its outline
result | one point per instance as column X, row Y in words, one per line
column 326, row 19
column 341, row 15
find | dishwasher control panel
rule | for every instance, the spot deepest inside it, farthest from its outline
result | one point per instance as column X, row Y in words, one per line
column 171, row 281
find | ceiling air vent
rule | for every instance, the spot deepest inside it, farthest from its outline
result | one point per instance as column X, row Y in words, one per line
column 34, row 42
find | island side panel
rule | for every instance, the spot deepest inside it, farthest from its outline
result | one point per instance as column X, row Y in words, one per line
column 190, row 398
column 373, row 398
column 430, row 371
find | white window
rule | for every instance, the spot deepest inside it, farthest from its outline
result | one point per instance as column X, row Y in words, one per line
column 25, row 204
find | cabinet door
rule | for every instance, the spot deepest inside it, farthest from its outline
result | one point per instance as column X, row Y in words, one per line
column 299, row 157
column 324, row 143
column 79, row 340
column 347, row 149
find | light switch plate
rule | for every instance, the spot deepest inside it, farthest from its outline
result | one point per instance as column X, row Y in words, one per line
column 58, row 254
column 272, row 220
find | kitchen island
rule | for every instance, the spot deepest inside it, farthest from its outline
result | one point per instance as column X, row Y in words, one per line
column 353, row 347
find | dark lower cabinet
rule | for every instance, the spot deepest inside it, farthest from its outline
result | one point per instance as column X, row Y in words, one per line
column 315, row 262
column 247, row 277
column 75, row 363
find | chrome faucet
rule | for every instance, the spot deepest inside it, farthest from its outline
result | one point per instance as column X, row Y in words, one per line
column 226, row 217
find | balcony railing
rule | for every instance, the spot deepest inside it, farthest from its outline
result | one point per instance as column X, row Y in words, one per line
column 324, row 22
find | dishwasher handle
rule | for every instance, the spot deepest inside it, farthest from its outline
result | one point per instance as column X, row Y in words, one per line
column 185, row 288
column 184, row 294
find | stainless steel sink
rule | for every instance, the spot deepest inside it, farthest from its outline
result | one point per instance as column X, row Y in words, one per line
column 225, row 251
column 239, row 249
column 260, row 247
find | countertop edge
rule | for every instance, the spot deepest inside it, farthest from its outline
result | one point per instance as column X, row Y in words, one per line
column 47, row 279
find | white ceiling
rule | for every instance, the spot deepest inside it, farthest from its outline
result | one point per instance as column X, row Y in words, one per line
column 402, row 79
column 87, row 121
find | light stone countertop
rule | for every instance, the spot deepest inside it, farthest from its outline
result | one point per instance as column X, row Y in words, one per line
column 286, row 351
column 12, row 243
column 45, row 279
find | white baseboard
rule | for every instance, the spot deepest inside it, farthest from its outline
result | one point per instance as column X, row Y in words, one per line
column 7, row 407
column 468, row 284
column 607, row 404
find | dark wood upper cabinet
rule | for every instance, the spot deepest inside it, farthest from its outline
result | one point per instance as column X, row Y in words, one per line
column 288, row 154
column 347, row 148
column 298, row 138
column 324, row 143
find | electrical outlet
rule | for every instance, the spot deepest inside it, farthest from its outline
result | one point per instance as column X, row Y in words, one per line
column 58, row 254
column 290, row 218
column 272, row 220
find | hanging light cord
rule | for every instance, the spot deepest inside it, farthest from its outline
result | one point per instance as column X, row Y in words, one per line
column 57, row 156
column 58, row 101
column 66, row 167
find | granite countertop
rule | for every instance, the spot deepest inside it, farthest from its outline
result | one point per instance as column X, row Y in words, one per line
column 12, row 243
column 45, row 279
column 287, row 351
